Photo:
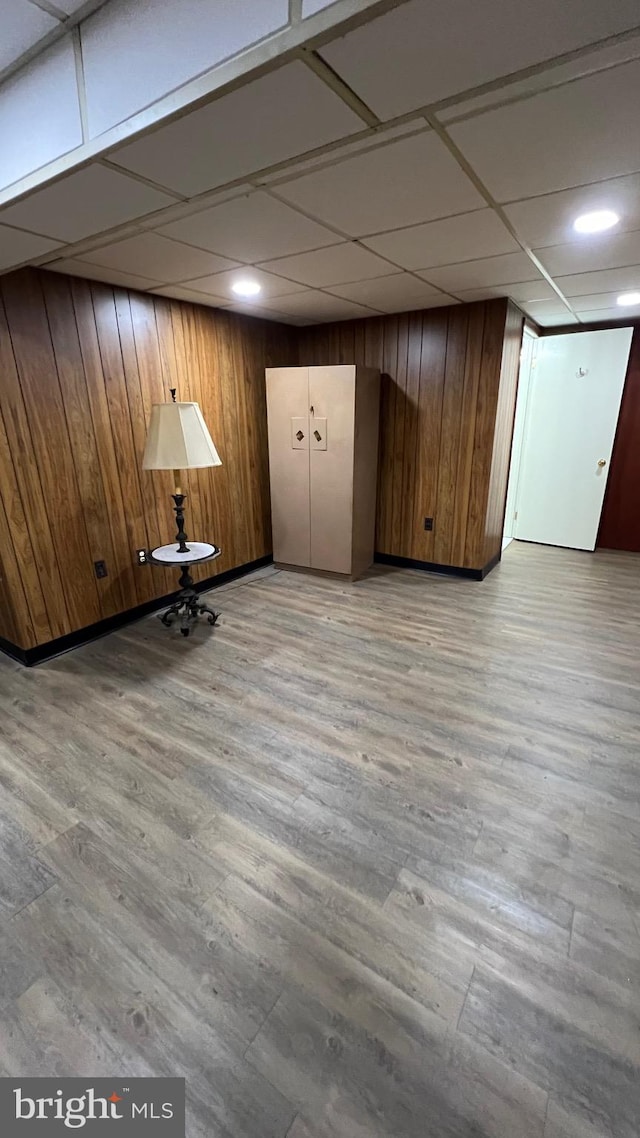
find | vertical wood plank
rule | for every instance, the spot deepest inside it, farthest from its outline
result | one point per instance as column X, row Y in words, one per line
column 488, row 387
column 503, row 432
column 399, row 454
column 429, row 424
column 472, row 364
column 92, row 502
column 123, row 442
column 105, row 447
column 384, row 537
column 156, row 485
column 450, row 426
column 23, row 590
column 410, row 446
column 23, row 443
column 620, row 522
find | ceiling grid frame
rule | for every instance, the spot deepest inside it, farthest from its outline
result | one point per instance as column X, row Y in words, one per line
column 373, row 137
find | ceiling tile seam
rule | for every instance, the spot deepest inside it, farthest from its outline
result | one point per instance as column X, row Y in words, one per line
column 378, row 142
column 337, row 84
column 524, row 96
column 377, row 233
column 148, row 182
column 81, row 90
column 398, row 268
column 101, row 146
column 66, row 23
column 525, row 73
column 62, row 165
column 50, row 9
column 272, row 65
column 122, row 231
column 295, row 11
column 366, row 280
column 482, row 189
column 242, row 180
column 570, row 189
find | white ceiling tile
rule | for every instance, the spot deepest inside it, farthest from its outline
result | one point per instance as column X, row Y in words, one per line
column 69, row 6
column 150, row 255
column 251, row 228
column 552, row 76
column 342, row 150
column 603, row 251
column 22, row 26
column 221, row 284
column 182, row 208
column 39, row 113
column 17, row 247
column 529, row 290
column 548, row 220
column 553, row 319
column 335, row 265
column 466, row 237
column 264, row 313
column 310, row 7
column 279, row 116
column 134, row 53
column 414, row 179
column 178, row 292
column 581, row 284
column 319, row 306
column 400, row 293
column 548, row 312
column 84, row 203
column 419, row 53
column 608, row 314
column 96, row 273
column 584, row 132
column 592, row 303
column 483, row 273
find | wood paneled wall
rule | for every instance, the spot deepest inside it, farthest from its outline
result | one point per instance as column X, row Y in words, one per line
column 620, row 521
column 81, row 363
column 448, row 401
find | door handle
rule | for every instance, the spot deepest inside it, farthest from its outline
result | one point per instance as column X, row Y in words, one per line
column 602, row 462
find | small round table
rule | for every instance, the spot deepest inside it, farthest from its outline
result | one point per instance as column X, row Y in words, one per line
column 188, row 606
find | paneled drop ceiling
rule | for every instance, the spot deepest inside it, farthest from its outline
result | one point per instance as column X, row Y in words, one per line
column 25, row 24
column 413, row 162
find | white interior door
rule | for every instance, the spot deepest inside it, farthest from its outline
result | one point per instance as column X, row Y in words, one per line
column 572, row 411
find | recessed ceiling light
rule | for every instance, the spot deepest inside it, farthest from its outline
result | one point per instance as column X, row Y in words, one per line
column 628, row 299
column 596, row 221
column 246, row 288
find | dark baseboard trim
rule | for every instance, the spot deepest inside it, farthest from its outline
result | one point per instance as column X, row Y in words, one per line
column 435, row 567
column 32, row 656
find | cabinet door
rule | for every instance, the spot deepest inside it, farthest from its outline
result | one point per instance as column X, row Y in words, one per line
column 332, row 402
column 288, row 419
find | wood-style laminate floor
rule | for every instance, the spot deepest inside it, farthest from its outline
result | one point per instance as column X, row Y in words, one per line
column 364, row 861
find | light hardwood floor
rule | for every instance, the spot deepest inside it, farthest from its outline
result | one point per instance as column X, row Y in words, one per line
column 363, row 861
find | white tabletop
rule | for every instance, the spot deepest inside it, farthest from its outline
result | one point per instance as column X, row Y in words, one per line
column 198, row 551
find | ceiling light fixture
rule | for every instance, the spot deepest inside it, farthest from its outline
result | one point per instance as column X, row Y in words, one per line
column 627, row 299
column 596, row 221
column 246, row 288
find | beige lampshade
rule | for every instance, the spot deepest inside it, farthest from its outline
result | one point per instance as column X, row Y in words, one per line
column 178, row 439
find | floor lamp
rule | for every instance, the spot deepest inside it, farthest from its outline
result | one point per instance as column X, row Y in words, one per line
column 178, row 439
